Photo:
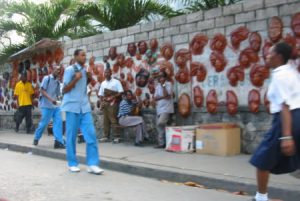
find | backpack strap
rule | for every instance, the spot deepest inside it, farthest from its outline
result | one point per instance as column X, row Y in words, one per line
column 76, row 70
column 48, row 81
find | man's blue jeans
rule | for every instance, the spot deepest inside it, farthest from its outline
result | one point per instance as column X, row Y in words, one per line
column 84, row 122
column 47, row 115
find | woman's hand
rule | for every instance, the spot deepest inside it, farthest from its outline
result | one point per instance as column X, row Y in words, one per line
column 288, row 147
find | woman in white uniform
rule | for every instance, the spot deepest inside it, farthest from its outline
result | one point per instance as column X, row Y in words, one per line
column 279, row 152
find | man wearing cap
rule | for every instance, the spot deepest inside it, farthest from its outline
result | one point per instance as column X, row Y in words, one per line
column 24, row 95
column 49, row 105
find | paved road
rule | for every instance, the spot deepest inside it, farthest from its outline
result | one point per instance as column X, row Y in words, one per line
column 25, row 177
column 235, row 168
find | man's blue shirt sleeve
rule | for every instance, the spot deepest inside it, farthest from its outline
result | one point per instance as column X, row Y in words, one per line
column 68, row 75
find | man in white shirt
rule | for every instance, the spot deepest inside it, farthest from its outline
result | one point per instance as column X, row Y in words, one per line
column 110, row 95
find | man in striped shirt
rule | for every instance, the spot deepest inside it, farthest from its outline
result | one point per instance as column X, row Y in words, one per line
column 125, row 119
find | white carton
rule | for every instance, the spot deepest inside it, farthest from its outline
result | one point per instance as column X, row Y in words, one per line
column 180, row 139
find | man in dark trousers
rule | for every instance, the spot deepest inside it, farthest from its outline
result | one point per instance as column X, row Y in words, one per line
column 24, row 95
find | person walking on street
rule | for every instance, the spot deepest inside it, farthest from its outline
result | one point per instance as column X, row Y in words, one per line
column 164, row 107
column 110, row 94
column 279, row 152
column 78, row 115
column 24, row 95
column 49, row 106
column 126, row 119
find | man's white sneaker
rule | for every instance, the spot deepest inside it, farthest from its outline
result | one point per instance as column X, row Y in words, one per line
column 74, row 169
column 93, row 169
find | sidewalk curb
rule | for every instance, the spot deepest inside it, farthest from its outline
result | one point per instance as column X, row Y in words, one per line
column 162, row 174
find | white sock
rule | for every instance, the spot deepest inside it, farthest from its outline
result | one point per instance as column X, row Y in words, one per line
column 261, row 197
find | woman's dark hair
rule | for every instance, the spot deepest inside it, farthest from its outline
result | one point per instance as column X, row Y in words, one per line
column 285, row 50
column 76, row 52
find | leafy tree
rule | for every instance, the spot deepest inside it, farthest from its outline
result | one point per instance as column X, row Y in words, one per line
column 10, row 50
column 118, row 14
column 4, row 4
column 48, row 20
column 196, row 5
column 3, row 36
column 53, row 19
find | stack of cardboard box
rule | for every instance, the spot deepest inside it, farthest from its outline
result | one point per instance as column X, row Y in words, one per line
column 221, row 139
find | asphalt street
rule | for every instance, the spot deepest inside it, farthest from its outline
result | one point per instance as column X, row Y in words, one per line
column 26, row 177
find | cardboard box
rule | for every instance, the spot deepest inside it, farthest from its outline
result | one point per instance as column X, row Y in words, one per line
column 180, row 139
column 221, row 139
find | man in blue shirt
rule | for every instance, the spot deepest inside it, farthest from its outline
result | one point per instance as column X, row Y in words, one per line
column 78, row 114
column 48, row 103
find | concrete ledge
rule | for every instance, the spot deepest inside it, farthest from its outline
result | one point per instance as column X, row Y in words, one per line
column 166, row 173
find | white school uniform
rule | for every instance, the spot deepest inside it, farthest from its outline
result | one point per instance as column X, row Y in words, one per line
column 284, row 88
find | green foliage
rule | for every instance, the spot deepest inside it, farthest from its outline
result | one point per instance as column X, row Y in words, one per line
column 3, row 6
column 209, row 4
column 118, row 14
column 49, row 20
column 9, row 50
column 196, row 5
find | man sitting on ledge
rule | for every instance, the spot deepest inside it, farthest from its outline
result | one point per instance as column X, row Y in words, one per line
column 126, row 119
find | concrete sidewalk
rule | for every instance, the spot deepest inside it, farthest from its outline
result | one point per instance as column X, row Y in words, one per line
column 228, row 173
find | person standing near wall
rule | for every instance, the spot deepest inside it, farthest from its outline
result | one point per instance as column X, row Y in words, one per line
column 279, row 152
column 164, row 107
column 78, row 115
column 48, row 103
column 24, row 95
column 110, row 93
